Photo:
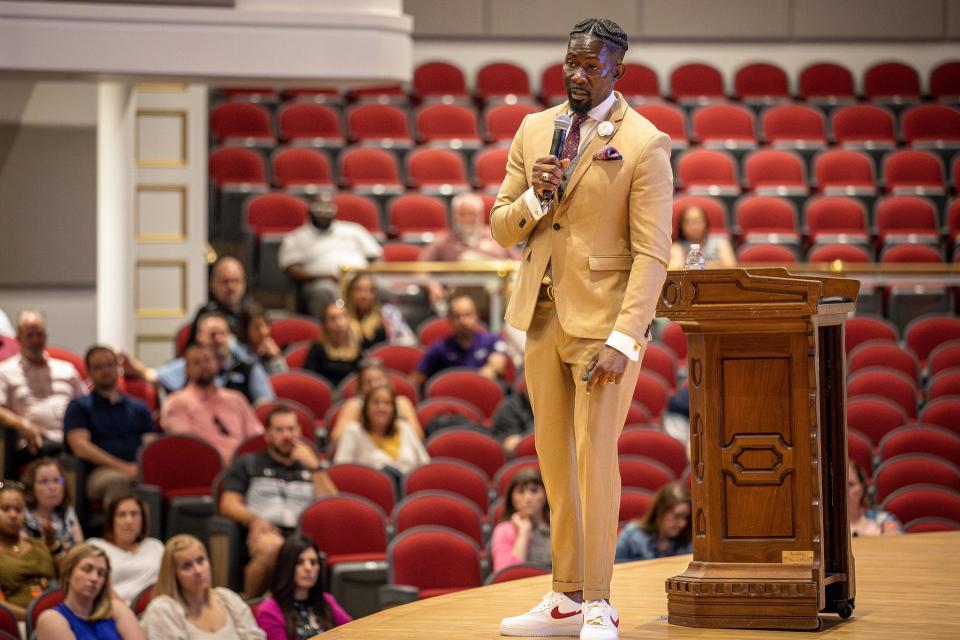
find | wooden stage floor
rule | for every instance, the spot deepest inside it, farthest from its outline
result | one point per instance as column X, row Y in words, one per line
column 907, row 589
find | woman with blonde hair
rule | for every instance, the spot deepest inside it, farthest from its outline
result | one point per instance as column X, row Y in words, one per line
column 663, row 531
column 186, row 607
column 89, row 610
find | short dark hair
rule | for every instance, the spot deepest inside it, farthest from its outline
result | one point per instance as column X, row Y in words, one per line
column 276, row 411
column 460, row 296
column 206, row 315
column 110, row 516
column 97, row 348
column 603, row 29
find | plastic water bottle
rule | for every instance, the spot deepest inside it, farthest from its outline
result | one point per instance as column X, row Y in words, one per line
column 695, row 259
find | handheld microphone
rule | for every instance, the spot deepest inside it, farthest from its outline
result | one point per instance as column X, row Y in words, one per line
column 561, row 124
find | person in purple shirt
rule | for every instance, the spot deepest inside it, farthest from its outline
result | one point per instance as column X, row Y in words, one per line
column 468, row 346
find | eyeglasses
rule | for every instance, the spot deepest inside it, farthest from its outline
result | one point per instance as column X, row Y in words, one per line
column 12, row 484
column 50, row 481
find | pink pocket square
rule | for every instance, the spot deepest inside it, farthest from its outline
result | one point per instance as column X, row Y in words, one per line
column 608, row 153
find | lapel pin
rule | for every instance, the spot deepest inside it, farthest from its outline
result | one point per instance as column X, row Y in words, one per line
column 605, row 129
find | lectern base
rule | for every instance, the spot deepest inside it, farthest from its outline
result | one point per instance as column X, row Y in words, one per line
column 757, row 604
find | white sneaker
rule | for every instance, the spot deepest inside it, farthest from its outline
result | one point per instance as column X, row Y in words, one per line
column 600, row 621
column 556, row 615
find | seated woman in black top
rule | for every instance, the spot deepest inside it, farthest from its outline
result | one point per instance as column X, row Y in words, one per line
column 336, row 353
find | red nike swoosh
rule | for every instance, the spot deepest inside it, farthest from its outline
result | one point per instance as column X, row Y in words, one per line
column 556, row 615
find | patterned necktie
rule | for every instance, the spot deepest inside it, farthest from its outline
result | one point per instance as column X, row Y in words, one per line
column 572, row 144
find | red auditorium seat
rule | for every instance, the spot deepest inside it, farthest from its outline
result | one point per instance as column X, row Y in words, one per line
column 251, row 94
column 924, row 334
column 397, row 357
column 931, row 125
column 891, row 82
column 640, row 472
column 46, row 600
column 862, row 328
column 414, row 214
column 479, row 449
column 826, row 83
column 953, row 217
column 516, row 572
column 301, row 170
column 794, row 126
column 467, row 385
column 452, row 125
column 911, row 254
column 884, row 353
column 906, row 215
column 360, row 480
column 725, row 126
column 844, row 172
column 436, row 170
column 761, row 83
column 874, row 416
column 708, row 171
column 674, row 337
column 552, row 89
column 490, row 168
column 432, row 330
column 232, row 166
column 438, row 80
column 656, row 445
column 638, row 414
column 296, row 355
column 439, row 508
column 360, row 210
column 696, row 82
column 888, row 383
column 433, row 560
column 306, row 123
column 305, row 387
column 714, row 209
column 775, row 171
column 275, row 213
column 634, row 503
column 945, row 81
column 449, row 474
column 432, row 408
column 843, row 252
column 860, row 450
column 661, row 361
column 944, row 356
column 319, row 95
column 766, row 219
column 401, row 252
column 910, row 171
column 241, row 123
column 501, row 121
column 914, row 468
column 829, row 217
column 365, row 540
column 862, row 124
column 765, row 253
column 62, row 353
column 639, row 83
column 651, row 392
column 288, row 330
column 498, row 80
column 502, row 480
column 160, row 464
column 921, row 438
column 669, row 119
column 370, row 170
column 945, row 383
column 386, row 94
column 929, row 525
column 920, row 501
column 383, row 125
column 944, row 412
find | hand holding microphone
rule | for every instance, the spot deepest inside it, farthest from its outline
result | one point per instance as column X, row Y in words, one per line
column 548, row 170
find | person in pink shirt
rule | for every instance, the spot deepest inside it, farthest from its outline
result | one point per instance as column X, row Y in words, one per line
column 35, row 390
column 523, row 534
column 222, row 417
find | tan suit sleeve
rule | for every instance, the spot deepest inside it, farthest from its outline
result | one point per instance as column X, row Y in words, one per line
column 651, row 205
column 510, row 220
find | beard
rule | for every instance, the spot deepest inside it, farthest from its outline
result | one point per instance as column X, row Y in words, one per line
column 581, row 107
column 204, row 380
column 321, row 223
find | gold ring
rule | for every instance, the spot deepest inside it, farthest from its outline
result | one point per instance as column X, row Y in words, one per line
column 544, row 176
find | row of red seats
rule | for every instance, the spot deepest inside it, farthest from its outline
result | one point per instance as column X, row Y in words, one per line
column 828, row 81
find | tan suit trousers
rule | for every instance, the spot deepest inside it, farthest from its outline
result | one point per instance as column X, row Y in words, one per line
column 576, row 436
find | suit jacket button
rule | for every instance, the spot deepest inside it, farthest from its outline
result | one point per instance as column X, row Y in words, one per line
column 556, row 226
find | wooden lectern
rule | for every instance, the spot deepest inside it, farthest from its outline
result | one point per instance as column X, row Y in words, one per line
column 768, row 448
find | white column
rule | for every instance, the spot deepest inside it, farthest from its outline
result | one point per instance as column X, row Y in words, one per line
column 114, row 222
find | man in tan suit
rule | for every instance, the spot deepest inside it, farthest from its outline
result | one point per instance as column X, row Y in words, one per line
column 595, row 224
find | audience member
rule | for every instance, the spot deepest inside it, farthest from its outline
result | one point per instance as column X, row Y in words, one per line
column 50, row 514
column 523, row 533
column 134, row 558
column 228, row 290
column 298, row 607
column 865, row 518
column 89, row 610
column 261, row 345
column 467, row 346
column 373, row 321
column 694, row 228
column 313, row 253
column 380, row 438
column 513, row 419
column 336, row 353
column 26, row 566
column 185, row 607
column 664, row 531
column 35, row 390
column 222, row 417
column 265, row 492
column 106, row 428
column 373, row 374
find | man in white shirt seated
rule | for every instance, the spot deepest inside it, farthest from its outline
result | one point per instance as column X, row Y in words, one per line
column 312, row 254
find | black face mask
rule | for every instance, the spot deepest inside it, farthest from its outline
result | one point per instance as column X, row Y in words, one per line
column 321, row 223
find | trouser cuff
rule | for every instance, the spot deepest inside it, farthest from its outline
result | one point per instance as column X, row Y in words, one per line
column 561, row 586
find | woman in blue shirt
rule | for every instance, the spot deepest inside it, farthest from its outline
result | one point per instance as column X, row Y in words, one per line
column 664, row 530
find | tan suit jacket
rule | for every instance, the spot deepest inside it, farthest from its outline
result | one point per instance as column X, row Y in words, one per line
column 609, row 237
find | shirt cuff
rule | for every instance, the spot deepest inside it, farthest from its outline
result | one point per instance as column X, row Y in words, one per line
column 626, row 344
column 533, row 204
